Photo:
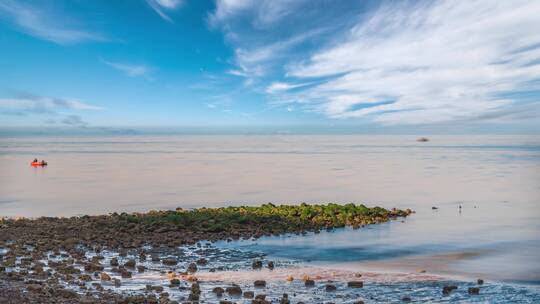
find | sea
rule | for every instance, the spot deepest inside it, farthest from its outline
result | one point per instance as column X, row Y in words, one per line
column 476, row 197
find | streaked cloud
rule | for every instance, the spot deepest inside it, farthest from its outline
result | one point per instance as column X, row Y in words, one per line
column 40, row 105
column 394, row 63
column 46, row 24
column 50, row 108
column 131, row 70
column 160, row 6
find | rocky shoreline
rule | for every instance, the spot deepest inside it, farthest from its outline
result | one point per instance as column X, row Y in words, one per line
column 158, row 257
column 86, row 259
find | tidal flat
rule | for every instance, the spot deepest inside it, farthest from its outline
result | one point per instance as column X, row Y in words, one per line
column 179, row 257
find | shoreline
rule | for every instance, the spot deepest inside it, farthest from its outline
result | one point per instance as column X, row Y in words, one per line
column 169, row 257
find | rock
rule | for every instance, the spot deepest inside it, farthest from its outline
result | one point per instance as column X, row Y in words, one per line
column 234, row 290
column 330, row 287
column 114, row 262
column 259, row 283
column 290, row 278
column 434, row 208
column 256, row 264
column 192, row 267
column 480, row 281
column 270, row 265
column 125, row 274
column 225, row 302
column 117, row 283
column 174, row 282
column 140, row 268
column 105, row 277
column 168, row 261
column 249, row 294
column 202, row 261
column 359, row 302
column 92, row 267
column 473, row 290
column 355, row 284
column 406, row 299
column 284, row 299
column 218, row 291
column 448, row 289
column 309, row 283
column 130, row 263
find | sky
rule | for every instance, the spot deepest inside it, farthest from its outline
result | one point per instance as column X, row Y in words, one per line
column 355, row 65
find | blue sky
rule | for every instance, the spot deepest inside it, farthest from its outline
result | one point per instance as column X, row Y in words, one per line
column 358, row 64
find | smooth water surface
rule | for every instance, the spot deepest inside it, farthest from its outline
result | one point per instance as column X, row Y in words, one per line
column 495, row 180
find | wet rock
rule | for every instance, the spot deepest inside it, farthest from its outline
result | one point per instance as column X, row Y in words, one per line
column 448, row 289
column 359, row 302
column 125, row 274
column 270, row 265
column 130, row 263
column 261, row 296
column 480, row 281
column 309, row 283
column 355, row 284
column 225, row 302
column 168, row 261
column 140, row 268
column 330, row 287
column 285, row 299
column 473, row 290
column 117, row 283
column 92, row 267
column 202, row 261
column 234, row 290
column 218, row 291
column 105, row 277
column 114, row 262
column 256, row 264
column 192, row 267
column 174, row 282
column 249, row 294
column 259, row 283
column 406, row 299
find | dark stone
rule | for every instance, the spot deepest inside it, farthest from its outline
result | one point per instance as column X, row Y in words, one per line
column 259, row 283
column 256, row 264
column 330, row 287
column 473, row 290
column 355, row 284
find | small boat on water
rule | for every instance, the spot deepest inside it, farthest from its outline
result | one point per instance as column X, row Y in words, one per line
column 423, row 139
column 38, row 164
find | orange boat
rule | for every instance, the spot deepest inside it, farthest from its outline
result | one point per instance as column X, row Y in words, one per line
column 38, row 164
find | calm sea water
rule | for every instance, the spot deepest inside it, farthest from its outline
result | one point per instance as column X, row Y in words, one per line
column 495, row 180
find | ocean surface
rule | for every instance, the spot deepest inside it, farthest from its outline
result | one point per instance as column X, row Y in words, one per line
column 486, row 190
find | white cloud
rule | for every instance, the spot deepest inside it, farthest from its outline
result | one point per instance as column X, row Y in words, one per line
column 160, row 5
column 442, row 61
column 43, row 105
column 131, row 70
column 397, row 63
column 45, row 24
column 277, row 87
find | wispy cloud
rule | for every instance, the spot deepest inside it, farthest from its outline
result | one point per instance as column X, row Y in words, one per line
column 45, row 24
column 131, row 70
column 47, row 107
column 160, row 6
column 278, row 87
column 396, row 63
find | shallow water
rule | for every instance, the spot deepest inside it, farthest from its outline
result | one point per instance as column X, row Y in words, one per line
column 495, row 179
